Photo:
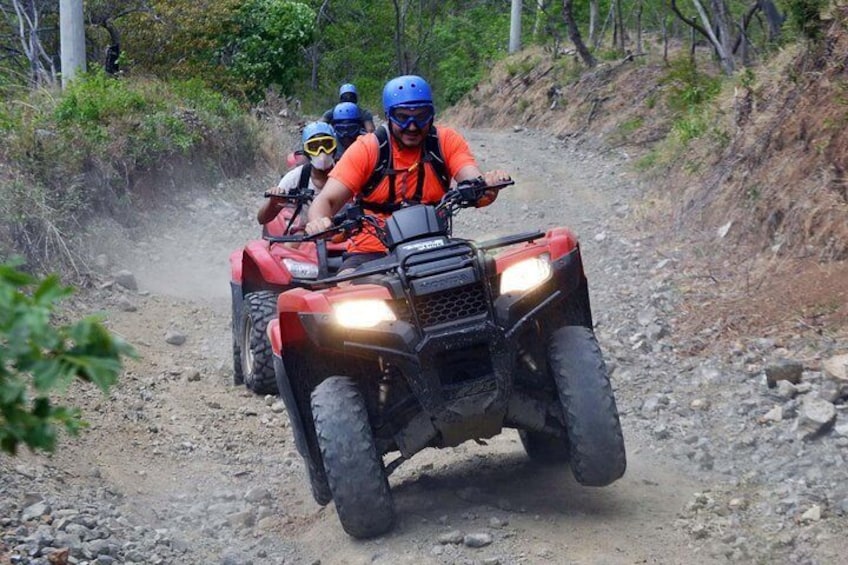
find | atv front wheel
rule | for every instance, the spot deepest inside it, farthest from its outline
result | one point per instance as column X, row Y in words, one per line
column 238, row 375
column 588, row 404
column 257, row 364
column 544, row 448
column 354, row 470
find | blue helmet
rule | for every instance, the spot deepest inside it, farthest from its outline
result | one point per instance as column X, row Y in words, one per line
column 347, row 88
column 346, row 111
column 407, row 90
column 314, row 129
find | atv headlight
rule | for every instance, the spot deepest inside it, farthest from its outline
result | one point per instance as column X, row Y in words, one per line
column 301, row 269
column 526, row 274
column 363, row 313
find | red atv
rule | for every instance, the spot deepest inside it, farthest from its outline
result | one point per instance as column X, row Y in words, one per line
column 260, row 272
column 438, row 343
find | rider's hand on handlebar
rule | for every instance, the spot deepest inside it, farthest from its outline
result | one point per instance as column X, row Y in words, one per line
column 274, row 192
column 318, row 225
column 496, row 177
column 492, row 177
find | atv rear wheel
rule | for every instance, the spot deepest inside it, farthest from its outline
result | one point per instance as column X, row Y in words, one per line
column 257, row 364
column 354, row 470
column 588, row 404
column 544, row 448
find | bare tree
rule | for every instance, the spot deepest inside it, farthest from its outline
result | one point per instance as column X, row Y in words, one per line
column 515, row 26
column 724, row 54
column 639, row 26
column 594, row 11
column 24, row 16
column 313, row 51
column 400, row 35
column 574, row 34
column 540, row 17
column 619, row 33
column 105, row 14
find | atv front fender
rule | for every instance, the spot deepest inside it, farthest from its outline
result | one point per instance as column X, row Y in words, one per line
column 260, row 268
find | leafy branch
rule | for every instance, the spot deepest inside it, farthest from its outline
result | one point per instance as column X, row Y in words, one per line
column 38, row 358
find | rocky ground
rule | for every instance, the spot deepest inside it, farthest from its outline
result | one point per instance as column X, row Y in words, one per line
column 735, row 452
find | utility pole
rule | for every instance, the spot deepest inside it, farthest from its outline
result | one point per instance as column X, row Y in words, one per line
column 515, row 27
column 71, row 39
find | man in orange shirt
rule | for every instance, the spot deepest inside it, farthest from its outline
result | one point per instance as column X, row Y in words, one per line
column 421, row 163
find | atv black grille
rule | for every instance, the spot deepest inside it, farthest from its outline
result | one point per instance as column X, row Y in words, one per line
column 451, row 305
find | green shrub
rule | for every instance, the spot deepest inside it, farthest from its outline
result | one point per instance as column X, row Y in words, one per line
column 82, row 151
column 690, row 126
column 629, row 126
column 805, row 16
column 687, row 87
column 38, row 358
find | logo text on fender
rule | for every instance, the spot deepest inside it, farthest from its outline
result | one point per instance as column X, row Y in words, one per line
column 424, row 245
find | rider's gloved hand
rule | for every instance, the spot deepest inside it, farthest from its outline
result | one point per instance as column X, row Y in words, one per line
column 318, row 225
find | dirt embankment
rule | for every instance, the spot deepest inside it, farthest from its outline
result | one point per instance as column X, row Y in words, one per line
column 754, row 208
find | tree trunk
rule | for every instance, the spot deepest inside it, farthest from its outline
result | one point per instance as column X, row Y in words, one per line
column 71, row 38
column 639, row 27
column 27, row 21
column 619, row 26
column 515, row 27
column 723, row 22
column 594, row 10
column 540, row 18
column 574, row 34
column 724, row 54
column 400, row 24
column 113, row 51
column 774, row 18
column 610, row 17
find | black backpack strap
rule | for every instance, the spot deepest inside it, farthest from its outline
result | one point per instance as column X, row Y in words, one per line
column 383, row 163
column 303, row 182
column 433, row 155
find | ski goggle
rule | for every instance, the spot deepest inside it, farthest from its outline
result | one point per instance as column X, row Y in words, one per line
column 314, row 146
column 349, row 129
column 403, row 117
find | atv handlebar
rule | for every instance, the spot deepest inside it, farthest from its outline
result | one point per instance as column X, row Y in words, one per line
column 353, row 217
column 468, row 193
column 305, row 196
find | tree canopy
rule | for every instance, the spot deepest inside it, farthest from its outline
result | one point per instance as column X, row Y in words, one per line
column 309, row 47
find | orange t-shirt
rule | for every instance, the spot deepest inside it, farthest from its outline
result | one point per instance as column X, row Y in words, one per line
column 358, row 163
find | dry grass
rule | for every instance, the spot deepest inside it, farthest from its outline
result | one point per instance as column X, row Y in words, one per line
column 772, row 159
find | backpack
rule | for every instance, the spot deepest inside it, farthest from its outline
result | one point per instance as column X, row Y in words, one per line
column 430, row 153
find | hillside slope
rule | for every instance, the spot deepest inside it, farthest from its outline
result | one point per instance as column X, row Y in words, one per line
column 753, row 205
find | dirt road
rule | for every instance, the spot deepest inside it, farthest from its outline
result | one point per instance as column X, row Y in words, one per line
column 179, row 466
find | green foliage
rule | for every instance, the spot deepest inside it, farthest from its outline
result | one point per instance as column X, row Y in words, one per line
column 38, row 358
column 264, row 46
column 521, row 66
column 80, row 152
column 648, row 161
column 465, row 46
column 629, row 126
column 451, row 43
column 690, row 126
column 687, row 87
column 805, row 16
